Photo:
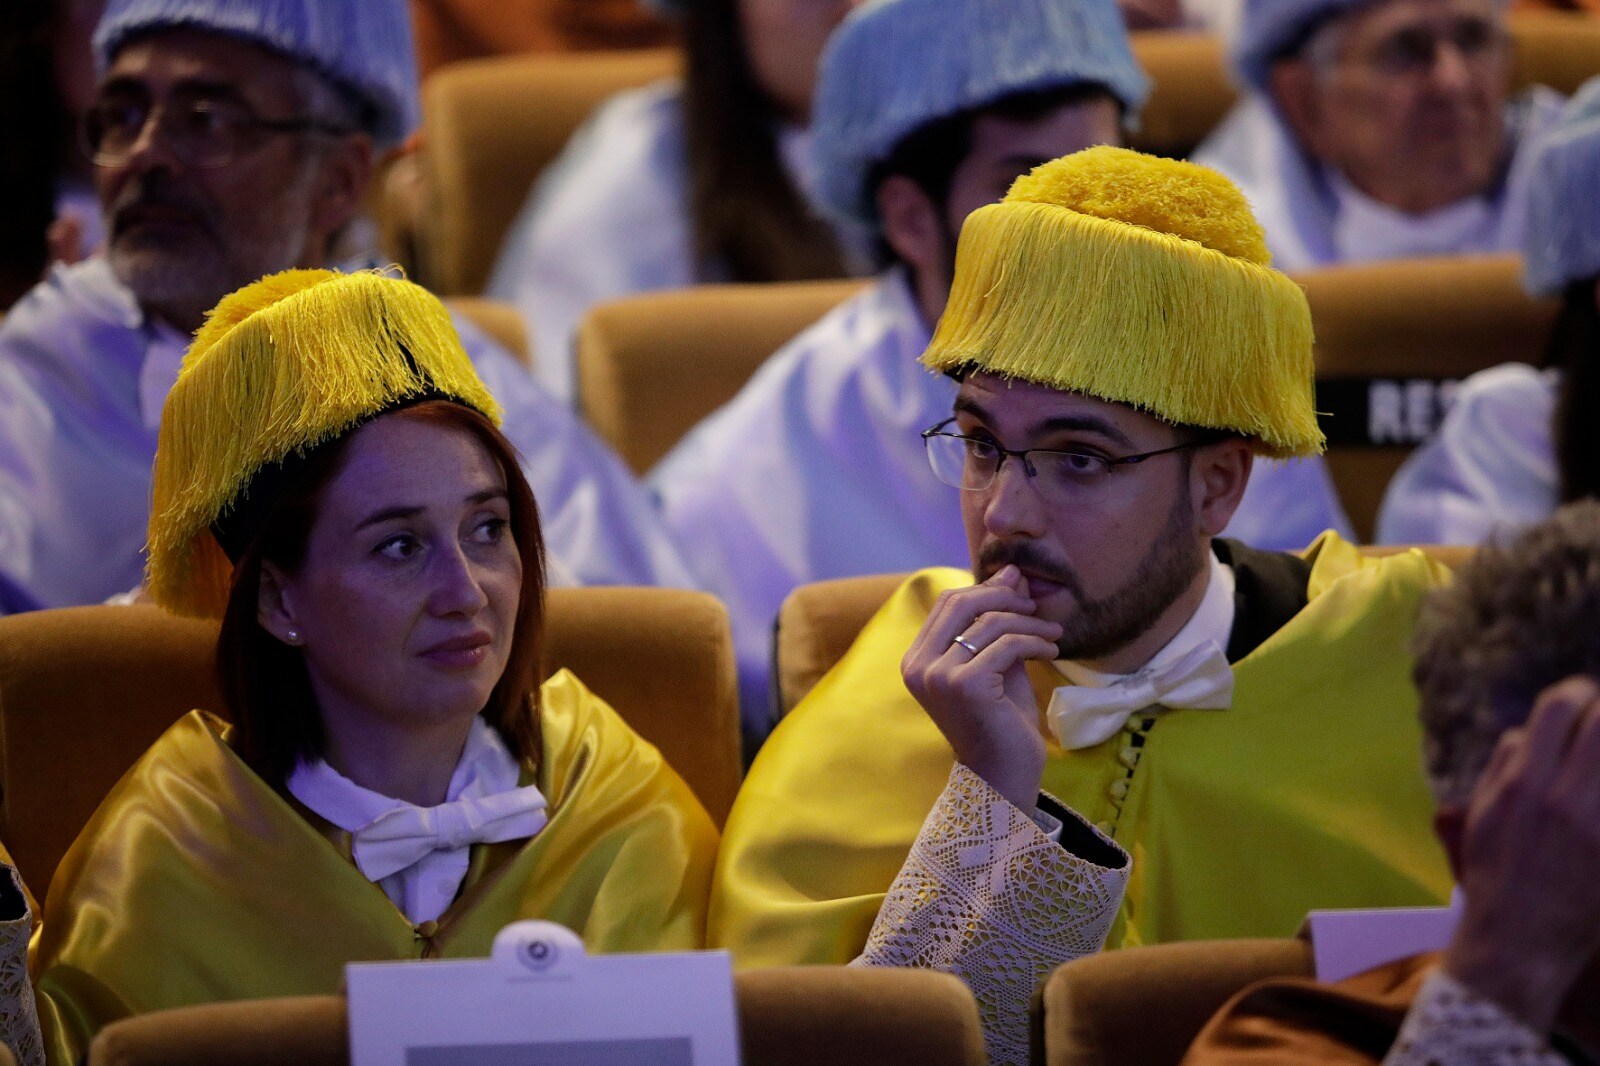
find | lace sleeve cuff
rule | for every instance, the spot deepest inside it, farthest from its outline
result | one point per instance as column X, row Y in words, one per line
column 19, row 1019
column 1449, row 1022
column 984, row 894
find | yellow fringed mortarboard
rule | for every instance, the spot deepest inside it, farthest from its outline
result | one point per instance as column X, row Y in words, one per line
column 281, row 366
column 1137, row 280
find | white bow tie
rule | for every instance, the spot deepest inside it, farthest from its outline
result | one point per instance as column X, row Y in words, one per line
column 1082, row 717
column 406, row 835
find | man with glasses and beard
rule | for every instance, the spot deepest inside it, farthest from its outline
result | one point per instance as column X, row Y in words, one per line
column 829, row 424
column 1112, row 697
column 232, row 140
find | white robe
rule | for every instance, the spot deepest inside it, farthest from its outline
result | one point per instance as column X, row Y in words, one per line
column 610, row 218
column 817, row 470
column 83, row 375
column 1299, row 203
column 1490, row 468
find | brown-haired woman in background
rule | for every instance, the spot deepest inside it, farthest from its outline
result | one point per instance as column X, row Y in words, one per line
column 396, row 782
column 683, row 182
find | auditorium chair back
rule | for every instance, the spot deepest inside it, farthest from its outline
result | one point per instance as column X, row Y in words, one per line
column 1392, row 342
column 1147, row 1005
column 1190, row 90
column 85, row 690
column 490, row 127
column 500, row 320
column 652, row 366
column 801, row 1016
column 818, row 622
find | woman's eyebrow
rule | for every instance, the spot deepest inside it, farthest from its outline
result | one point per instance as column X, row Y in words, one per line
column 388, row 514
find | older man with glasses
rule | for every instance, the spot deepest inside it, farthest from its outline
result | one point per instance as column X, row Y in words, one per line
column 1380, row 129
column 232, row 140
column 1115, row 726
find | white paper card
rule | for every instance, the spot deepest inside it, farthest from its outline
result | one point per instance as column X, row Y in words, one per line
column 1345, row 943
column 539, row 1000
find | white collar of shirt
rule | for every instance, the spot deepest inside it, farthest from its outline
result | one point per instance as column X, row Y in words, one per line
column 1211, row 621
column 1365, row 230
column 424, row 889
column 1191, row 671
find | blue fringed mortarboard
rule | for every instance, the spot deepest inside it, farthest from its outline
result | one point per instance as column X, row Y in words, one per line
column 1269, row 29
column 365, row 45
column 1562, row 244
column 895, row 66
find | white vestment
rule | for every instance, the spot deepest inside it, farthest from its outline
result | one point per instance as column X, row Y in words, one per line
column 817, row 470
column 83, row 376
column 1490, row 468
column 609, row 219
column 1300, row 203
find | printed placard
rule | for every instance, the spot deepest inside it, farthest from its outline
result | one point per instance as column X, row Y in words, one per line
column 540, row 1000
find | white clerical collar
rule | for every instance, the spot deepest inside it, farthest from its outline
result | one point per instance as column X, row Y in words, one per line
column 1366, row 230
column 1211, row 621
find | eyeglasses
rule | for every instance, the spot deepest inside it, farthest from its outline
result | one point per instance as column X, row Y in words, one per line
column 1415, row 50
column 201, row 132
column 972, row 464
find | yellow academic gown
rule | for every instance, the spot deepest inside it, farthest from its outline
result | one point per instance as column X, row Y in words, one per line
column 195, row 881
column 1307, row 793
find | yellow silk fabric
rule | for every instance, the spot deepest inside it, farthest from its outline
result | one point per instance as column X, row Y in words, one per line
column 1307, row 793
column 196, row 881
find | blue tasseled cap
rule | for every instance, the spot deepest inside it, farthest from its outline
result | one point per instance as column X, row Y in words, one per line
column 1562, row 244
column 895, row 66
column 1268, row 29
column 364, row 45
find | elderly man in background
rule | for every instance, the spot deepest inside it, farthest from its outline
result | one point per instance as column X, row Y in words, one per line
column 1379, row 129
column 1508, row 665
column 232, row 140
column 816, row 469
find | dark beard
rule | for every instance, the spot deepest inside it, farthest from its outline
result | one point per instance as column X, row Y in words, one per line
column 1100, row 627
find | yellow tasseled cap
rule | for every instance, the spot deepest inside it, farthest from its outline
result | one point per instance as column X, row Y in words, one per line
column 293, row 361
column 1137, row 280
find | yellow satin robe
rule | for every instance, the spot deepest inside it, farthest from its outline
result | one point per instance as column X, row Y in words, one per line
column 1307, row 793
column 195, row 881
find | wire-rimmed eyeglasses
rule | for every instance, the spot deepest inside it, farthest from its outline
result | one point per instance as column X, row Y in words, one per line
column 200, row 131
column 973, row 463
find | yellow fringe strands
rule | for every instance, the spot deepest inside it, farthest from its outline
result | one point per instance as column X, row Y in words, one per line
column 1137, row 280
column 279, row 367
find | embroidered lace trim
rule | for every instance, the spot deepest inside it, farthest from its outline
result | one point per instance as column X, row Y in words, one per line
column 988, row 897
column 19, row 1018
column 1451, row 1025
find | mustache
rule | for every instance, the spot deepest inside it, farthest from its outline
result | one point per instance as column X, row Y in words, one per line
column 158, row 191
column 1030, row 558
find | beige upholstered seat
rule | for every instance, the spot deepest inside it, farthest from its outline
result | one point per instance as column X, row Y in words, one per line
column 804, row 1016
column 1556, row 48
column 1146, row 1005
column 490, row 126
column 651, row 366
column 1392, row 340
column 819, row 622
column 85, row 690
column 501, row 321
column 1190, row 90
